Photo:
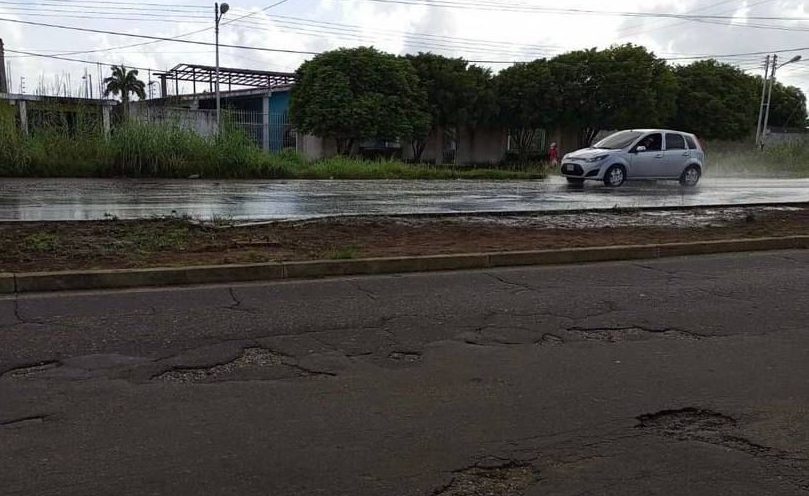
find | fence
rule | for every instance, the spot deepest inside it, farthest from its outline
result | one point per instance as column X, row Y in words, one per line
column 272, row 132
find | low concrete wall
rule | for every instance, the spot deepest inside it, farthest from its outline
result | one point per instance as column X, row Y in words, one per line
column 110, row 279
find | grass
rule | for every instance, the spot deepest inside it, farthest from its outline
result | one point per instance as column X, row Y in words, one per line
column 744, row 160
column 41, row 243
column 346, row 253
column 140, row 150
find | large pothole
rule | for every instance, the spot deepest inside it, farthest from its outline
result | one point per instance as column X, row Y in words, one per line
column 509, row 479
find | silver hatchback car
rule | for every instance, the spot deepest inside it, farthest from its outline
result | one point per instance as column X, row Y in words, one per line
column 652, row 154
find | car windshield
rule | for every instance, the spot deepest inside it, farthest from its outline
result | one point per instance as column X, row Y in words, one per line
column 618, row 140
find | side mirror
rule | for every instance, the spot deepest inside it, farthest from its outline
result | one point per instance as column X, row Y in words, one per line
column 640, row 149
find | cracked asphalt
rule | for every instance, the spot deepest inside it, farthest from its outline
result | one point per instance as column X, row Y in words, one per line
column 679, row 376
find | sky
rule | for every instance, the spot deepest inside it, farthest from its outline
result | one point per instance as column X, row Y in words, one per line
column 493, row 33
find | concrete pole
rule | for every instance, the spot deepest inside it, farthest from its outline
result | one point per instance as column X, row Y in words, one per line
column 23, row 106
column 265, row 123
column 769, row 102
column 763, row 96
column 3, row 78
column 218, row 95
column 105, row 118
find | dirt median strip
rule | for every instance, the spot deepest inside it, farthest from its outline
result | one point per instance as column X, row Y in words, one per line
column 176, row 276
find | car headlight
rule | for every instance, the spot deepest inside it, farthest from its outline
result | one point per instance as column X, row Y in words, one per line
column 597, row 158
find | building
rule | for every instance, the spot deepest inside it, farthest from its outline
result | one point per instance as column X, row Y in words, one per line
column 33, row 113
column 259, row 106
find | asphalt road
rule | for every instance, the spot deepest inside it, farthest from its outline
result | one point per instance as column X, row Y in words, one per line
column 82, row 199
column 682, row 376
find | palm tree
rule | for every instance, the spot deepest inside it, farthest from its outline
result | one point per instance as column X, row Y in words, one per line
column 123, row 82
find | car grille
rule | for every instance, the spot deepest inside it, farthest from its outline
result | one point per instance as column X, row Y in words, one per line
column 572, row 169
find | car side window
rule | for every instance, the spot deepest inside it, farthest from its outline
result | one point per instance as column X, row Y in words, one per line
column 675, row 142
column 691, row 143
column 652, row 142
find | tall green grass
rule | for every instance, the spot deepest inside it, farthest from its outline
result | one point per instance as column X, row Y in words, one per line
column 732, row 159
column 141, row 150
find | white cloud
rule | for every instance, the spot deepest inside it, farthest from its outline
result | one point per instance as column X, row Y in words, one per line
column 474, row 34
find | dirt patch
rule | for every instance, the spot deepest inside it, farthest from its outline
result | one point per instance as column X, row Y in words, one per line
column 35, row 247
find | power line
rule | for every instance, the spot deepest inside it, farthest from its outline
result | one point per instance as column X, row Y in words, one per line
column 156, row 38
column 635, row 32
column 517, row 7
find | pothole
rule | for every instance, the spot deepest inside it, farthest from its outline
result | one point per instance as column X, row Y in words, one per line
column 405, row 356
column 692, row 424
column 510, row 479
column 250, row 358
column 616, row 334
column 30, row 370
column 551, row 340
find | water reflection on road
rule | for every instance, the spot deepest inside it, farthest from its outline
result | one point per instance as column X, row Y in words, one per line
column 82, row 199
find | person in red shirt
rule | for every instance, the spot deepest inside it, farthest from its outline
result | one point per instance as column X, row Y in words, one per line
column 553, row 155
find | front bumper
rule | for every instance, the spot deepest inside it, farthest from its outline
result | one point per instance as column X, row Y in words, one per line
column 582, row 170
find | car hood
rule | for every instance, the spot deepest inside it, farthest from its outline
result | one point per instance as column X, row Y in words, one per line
column 586, row 153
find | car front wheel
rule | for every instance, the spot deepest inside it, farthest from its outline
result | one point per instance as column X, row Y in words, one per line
column 615, row 176
column 691, row 176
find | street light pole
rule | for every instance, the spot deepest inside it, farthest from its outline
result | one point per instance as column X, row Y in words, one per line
column 775, row 66
column 763, row 97
column 219, row 11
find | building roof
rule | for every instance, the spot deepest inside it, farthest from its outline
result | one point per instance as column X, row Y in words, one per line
column 229, row 76
column 67, row 100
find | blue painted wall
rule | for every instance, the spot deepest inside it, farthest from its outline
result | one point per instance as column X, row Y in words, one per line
column 279, row 119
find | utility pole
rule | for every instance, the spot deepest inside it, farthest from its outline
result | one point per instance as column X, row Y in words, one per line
column 3, row 79
column 769, row 102
column 763, row 97
column 219, row 11
column 775, row 67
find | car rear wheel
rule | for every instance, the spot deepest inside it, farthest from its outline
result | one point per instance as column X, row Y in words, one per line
column 691, row 176
column 615, row 176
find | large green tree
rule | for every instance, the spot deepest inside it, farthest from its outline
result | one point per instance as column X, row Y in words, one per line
column 123, row 82
column 716, row 101
column 528, row 100
column 352, row 95
column 621, row 87
column 458, row 94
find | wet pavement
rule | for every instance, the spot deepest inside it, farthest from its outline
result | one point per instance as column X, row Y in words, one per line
column 83, row 199
column 681, row 376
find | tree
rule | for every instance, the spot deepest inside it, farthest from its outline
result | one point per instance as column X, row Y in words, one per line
column 124, row 82
column 358, row 94
column 788, row 107
column 458, row 94
column 528, row 100
column 716, row 101
column 621, row 87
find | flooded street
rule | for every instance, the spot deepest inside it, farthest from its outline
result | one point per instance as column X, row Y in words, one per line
column 92, row 199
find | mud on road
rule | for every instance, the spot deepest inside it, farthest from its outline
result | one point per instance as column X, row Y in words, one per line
column 45, row 246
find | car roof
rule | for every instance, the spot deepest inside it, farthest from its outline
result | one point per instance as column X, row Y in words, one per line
column 658, row 131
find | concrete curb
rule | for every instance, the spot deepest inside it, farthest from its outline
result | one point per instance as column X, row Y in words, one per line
column 132, row 278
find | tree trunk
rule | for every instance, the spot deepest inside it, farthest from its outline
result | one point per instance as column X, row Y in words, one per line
column 418, row 146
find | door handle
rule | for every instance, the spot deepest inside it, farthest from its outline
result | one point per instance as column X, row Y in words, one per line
column 659, row 155
column 687, row 154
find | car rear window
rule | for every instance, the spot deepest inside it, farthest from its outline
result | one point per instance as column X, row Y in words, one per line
column 675, row 142
column 691, row 143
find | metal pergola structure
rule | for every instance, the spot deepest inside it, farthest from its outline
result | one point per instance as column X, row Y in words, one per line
column 227, row 76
